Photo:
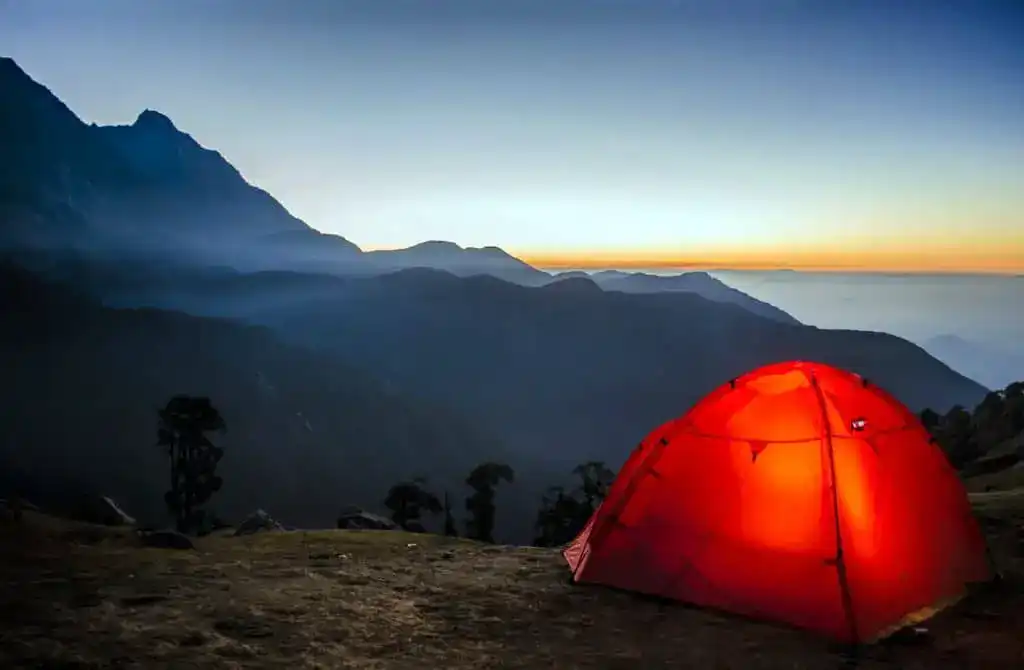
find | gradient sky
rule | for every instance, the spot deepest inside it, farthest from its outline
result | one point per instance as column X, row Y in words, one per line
column 573, row 132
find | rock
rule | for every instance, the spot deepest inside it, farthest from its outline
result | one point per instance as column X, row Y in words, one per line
column 13, row 507
column 258, row 522
column 165, row 539
column 415, row 527
column 211, row 523
column 102, row 510
column 12, row 503
column 353, row 518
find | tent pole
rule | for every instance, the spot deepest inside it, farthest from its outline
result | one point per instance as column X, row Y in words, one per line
column 840, row 562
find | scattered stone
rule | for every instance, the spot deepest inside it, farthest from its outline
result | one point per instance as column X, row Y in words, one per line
column 354, row 518
column 192, row 639
column 88, row 599
column 13, row 504
column 103, row 511
column 165, row 539
column 415, row 527
column 243, row 629
column 142, row 600
column 258, row 522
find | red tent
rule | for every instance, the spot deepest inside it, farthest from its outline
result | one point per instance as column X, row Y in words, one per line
column 732, row 506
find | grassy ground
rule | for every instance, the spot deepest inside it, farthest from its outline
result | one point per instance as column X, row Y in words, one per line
column 1012, row 478
column 77, row 596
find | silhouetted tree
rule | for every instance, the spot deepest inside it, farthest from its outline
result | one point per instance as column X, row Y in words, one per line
column 558, row 519
column 931, row 419
column 563, row 515
column 1014, row 395
column 483, row 480
column 595, row 478
column 958, row 436
column 408, row 501
column 966, row 436
column 450, row 528
column 182, row 429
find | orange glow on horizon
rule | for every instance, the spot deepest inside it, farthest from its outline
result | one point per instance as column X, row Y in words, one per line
column 899, row 253
column 1005, row 261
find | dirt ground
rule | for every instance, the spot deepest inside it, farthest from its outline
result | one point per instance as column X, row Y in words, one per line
column 77, row 596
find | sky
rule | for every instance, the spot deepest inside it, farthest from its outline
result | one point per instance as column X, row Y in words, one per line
column 862, row 134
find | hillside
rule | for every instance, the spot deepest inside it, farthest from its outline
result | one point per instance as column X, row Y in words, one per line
column 700, row 283
column 88, row 597
column 459, row 261
column 307, row 434
column 567, row 375
column 65, row 183
column 992, row 367
column 149, row 189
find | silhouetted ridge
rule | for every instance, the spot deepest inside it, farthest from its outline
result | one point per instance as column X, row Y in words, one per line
column 419, row 275
column 153, row 120
column 573, row 286
column 700, row 283
column 307, row 432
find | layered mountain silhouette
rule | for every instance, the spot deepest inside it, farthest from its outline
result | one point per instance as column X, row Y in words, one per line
column 433, row 357
column 989, row 365
column 307, row 434
column 701, row 283
column 151, row 189
column 562, row 371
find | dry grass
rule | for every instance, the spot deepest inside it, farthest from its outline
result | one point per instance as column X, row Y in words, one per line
column 76, row 596
column 1012, row 478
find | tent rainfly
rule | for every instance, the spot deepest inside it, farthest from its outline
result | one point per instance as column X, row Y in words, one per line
column 797, row 493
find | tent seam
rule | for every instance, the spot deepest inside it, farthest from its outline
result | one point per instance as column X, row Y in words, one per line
column 826, row 439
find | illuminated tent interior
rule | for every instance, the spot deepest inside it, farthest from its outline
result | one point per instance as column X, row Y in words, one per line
column 732, row 506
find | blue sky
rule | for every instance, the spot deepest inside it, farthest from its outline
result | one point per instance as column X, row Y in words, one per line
column 647, row 128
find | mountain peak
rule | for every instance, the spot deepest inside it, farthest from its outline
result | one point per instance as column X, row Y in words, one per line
column 11, row 72
column 153, row 119
column 437, row 245
column 9, row 66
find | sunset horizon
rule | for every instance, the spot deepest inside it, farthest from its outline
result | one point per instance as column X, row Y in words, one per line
column 991, row 261
column 682, row 265
column 831, row 136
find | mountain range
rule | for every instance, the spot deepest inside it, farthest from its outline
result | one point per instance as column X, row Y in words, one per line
column 188, row 279
column 150, row 190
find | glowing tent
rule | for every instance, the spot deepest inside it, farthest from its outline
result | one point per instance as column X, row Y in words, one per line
column 732, row 506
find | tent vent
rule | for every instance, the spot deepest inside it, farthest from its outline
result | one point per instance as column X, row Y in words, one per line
column 858, row 425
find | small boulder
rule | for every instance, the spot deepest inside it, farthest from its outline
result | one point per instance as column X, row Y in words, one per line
column 258, row 522
column 13, row 507
column 353, row 518
column 103, row 511
column 165, row 539
column 14, row 503
column 415, row 527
